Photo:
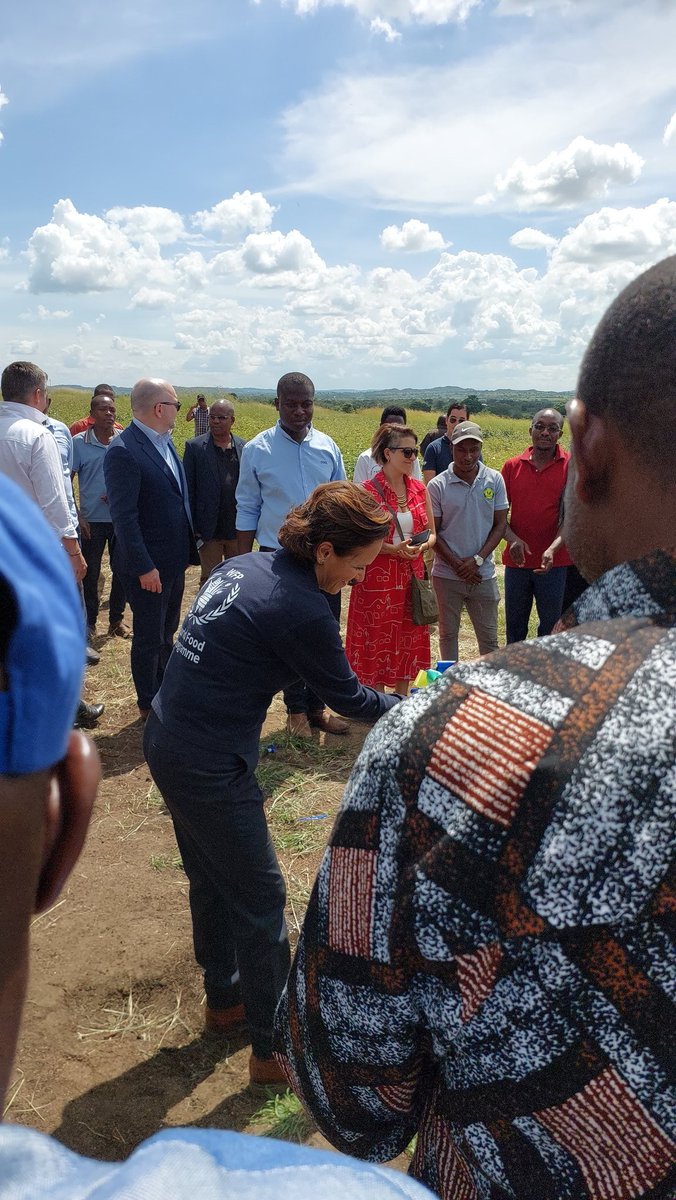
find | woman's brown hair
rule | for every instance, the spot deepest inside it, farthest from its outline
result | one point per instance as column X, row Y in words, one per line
column 388, row 436
column 343, row 514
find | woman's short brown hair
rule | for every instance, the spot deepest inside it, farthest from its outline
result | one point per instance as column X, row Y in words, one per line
column 388, row 436
column 343, row 514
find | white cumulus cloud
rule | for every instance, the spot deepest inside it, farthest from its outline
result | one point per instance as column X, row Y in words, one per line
column 53, row 314
column 3, row 102
column 147, row 297
column 383, row 27
column 273, row 252
column 23, row 348
column 669, row 131
column 413, row 237
column 242, row 211
column 532, row 239
column 78, row 252
column 566, row 178
column 426, row 12
column 138, row 223
column 73, row 356
column 634, row 236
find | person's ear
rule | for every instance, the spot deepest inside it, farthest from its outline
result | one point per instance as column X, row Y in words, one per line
column 69, row 807
column 592, row 451
column 323, row 551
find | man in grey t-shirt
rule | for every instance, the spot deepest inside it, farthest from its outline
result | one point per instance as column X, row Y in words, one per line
column 469, row 503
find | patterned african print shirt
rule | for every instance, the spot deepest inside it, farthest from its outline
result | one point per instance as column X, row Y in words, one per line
column 485, row 960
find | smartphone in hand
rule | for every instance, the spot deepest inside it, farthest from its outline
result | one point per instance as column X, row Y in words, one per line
column 419, row 539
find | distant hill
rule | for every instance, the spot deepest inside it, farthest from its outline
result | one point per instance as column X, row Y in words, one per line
column 505, row 402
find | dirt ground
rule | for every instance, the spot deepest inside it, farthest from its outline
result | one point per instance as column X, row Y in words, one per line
column 112, row 1047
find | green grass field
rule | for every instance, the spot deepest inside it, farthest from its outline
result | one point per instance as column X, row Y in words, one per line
column 504, row 436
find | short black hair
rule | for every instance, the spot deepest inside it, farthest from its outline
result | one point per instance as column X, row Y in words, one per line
column 19, row 379
column 104, row 389
column 392, row 410
column 293, row 380
column 630, row 367
column 458, row 404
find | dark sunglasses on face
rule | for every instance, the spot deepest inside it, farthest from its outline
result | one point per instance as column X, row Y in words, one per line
column 407, row 451
column 174, row 403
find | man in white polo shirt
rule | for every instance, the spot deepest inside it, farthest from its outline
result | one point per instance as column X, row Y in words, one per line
column 469, row 503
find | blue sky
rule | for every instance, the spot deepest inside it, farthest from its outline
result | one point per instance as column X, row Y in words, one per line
column 382, row 193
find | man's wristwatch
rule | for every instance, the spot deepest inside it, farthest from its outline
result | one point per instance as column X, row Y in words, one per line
column 478, row 560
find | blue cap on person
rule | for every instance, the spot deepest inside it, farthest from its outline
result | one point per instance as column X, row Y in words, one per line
column 42, row 636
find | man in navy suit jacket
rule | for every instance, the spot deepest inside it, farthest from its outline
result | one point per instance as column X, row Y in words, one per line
column 154, row 541
column 211, row 464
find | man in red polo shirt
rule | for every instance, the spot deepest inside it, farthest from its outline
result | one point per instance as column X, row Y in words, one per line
column 101, row 389
column 534, row 570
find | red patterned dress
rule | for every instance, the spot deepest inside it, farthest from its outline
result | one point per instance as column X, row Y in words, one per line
column 382, row 643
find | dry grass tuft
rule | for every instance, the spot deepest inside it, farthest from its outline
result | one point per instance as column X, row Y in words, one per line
column 142, row 1022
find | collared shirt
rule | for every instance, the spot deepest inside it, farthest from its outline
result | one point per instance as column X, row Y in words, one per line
column 227, row 464
column 86, row 423
column 30, row 456
column 485, row 959
column 201, row 419
column 464, row 514
column 88, row 456
column 276, row 473
column 64, row 441
column 366, row 467
column 164, row 446
column 438, row 455
column 535, row 504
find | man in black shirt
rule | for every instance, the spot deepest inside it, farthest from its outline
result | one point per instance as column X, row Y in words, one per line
column 211, row 464
column 438, row 454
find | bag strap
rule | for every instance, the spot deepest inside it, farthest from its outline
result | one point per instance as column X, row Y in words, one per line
column 396, row 518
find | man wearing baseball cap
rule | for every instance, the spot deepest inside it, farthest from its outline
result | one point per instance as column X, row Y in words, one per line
column 48, row 780
column 469, row 503
column 199, row 413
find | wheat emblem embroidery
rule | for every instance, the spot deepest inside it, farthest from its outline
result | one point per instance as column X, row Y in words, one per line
column 212, row 589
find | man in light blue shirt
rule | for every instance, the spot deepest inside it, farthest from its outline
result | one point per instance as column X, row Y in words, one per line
column 279, row 469
column 96, row 526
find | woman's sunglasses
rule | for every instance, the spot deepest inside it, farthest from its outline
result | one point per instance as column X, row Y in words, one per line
column 407, row 451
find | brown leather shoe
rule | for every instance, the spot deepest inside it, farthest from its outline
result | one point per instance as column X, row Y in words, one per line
column 266, row 1073
column 227, row 1021
column 297, row 725
column 327, row 722
column 119, row 629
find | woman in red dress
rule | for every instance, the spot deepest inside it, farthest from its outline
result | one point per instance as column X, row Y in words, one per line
column 383, row 646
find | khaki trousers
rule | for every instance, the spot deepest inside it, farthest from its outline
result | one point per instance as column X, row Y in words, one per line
column 481, row 601
column 214, row 552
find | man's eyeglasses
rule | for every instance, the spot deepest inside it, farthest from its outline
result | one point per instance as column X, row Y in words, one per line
column 175, row 403
column 540, row 428
column 407, row 451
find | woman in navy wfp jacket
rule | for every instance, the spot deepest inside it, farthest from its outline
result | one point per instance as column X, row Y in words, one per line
column 259, row 622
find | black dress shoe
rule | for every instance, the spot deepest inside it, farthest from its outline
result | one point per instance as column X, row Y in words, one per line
column 87, row 715
column 93, row 656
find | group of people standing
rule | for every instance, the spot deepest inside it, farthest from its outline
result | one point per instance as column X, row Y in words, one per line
column 485, row 961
